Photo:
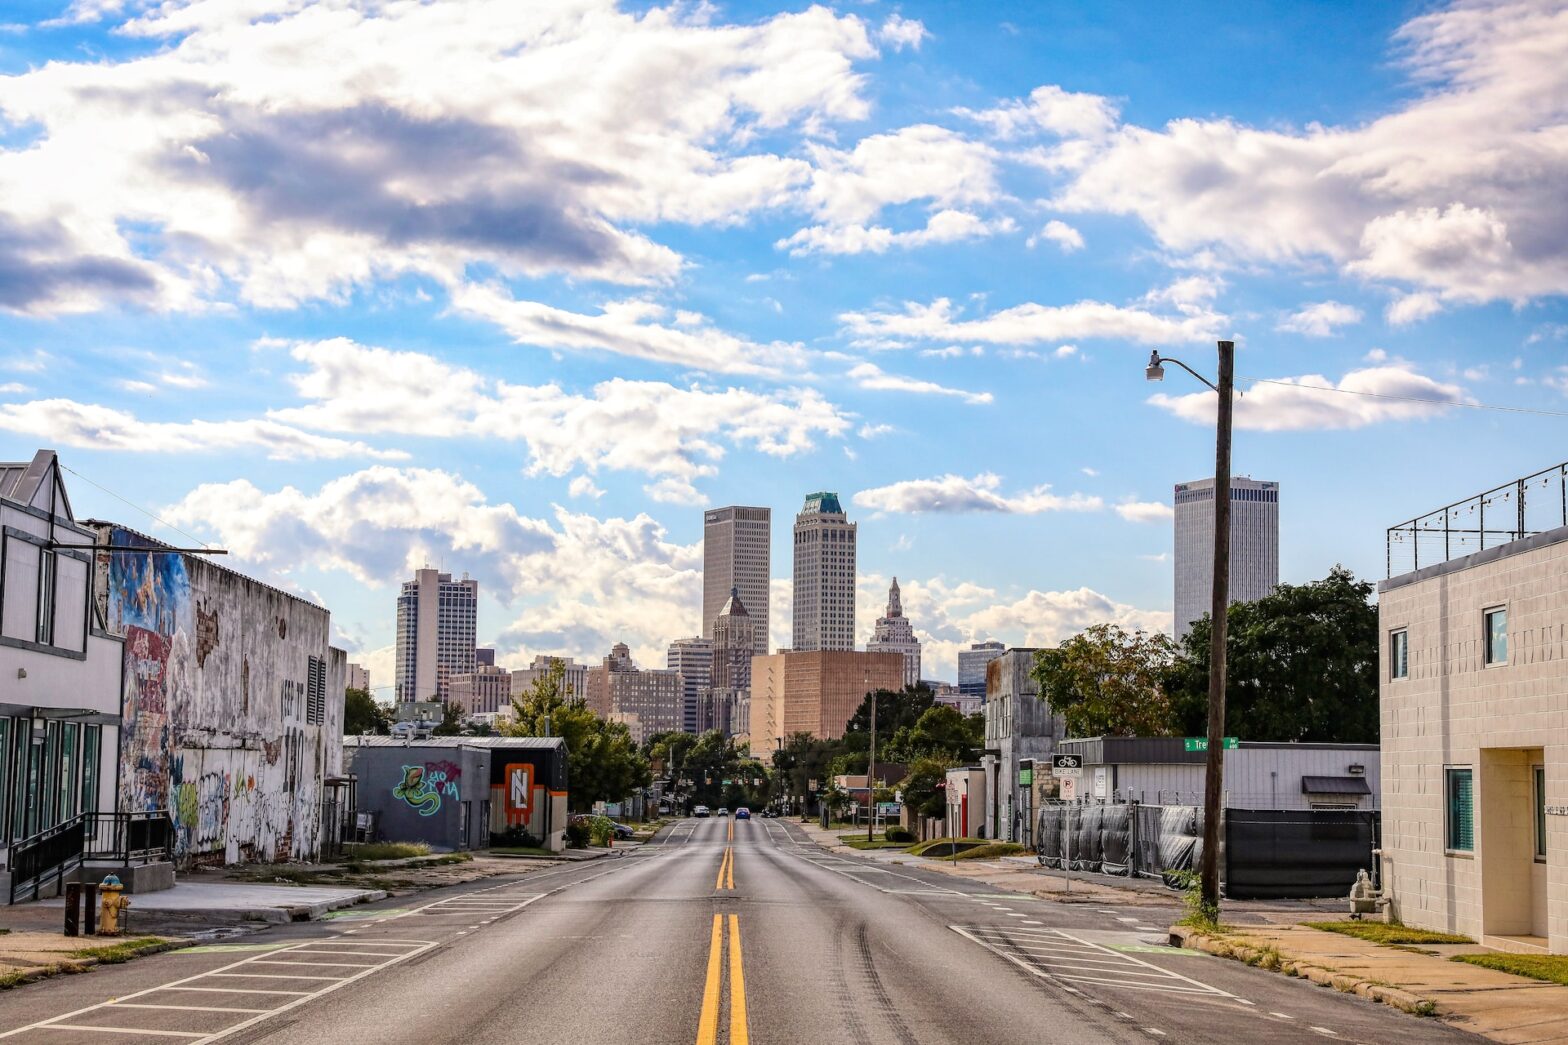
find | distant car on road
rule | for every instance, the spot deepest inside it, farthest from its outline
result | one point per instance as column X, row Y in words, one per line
column 742, row 813
column 700, row 812
column 724, row 810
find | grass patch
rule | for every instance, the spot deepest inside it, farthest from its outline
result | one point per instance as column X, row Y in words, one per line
column 386, row 850
column 1377, row 932
column 877, row 842
column 121, row 950
column 945, row 846
column 986, row 851
column 1552, row 968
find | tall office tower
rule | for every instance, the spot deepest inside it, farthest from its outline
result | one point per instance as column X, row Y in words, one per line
column 894, row 634
column 1254, row 545
column 693, row 658
column 824, row 576
column 971, row 667
column 729, row 685
column 737, row 553
column 436, row 618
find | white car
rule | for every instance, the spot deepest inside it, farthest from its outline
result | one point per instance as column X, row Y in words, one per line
column 700, row 812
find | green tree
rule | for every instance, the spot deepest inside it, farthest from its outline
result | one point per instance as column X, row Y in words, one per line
column 602, row 761
column 941, row 730
column 451, row 721
column 802, row 759
column 1301, row 664
column 361, row 714
column 1108, row 681
column 925, row 787
column 896, row 709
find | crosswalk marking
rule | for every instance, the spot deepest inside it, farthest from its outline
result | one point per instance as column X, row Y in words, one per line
column 1064, row 959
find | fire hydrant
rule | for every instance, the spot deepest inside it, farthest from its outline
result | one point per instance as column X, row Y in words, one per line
column 111, row 906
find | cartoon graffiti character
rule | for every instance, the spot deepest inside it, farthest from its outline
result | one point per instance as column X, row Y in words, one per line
column 417, row 792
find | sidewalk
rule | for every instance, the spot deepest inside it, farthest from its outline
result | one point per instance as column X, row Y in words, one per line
column 216, row 902
column 1498, row 1005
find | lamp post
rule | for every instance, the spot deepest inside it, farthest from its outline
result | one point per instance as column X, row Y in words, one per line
column 1214, row 770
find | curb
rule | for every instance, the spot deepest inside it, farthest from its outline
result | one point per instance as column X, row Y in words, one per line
column 73, row 966
column 1222, row 947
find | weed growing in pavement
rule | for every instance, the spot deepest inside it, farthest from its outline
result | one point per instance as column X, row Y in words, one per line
column 1201, row 916
column 1389, row 933
column 1550, row 967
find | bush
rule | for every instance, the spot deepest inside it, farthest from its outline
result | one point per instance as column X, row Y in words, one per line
column 577, row 834
column 601, row 829
column 899, row 834
column 517, row 837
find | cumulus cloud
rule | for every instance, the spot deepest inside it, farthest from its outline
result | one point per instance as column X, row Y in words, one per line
column 980, row 493
column 1322, row 319
column 1051, row 110
column 946, row 226
column 870, row 376
column 1145, row 511
column 582, row 486
column 1032, row 323
column 1412, row 308
column 899, row 32
column 1363, row 397
column 1060, row 233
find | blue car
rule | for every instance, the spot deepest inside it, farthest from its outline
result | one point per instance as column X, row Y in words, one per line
column 742, row 813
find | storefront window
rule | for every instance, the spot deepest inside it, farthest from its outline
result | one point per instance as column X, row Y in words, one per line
column 69, row 732
column 90, row 743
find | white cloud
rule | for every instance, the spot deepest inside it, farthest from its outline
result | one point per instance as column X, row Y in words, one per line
column 899, row 32
column 1312, row 402
column 1065, row 351
column 1145, row 511
column 1059, row 233
column 1051, row 110
column 980, row 493
column 1412, row 308
column 872, row 377
column 582, row 486
column 1032, row 324
column 917, row 163
column 945, row 226
column 96, row 427
column 14, row 388
column 872, row 431
column 1321, row 319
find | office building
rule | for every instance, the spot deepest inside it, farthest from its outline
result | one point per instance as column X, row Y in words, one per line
column 729, row 683
column 894, row 634
column 646, row 701
column 574, row 680
column 484, row 691
column 358, row 677
column 971, row 668
column 436, row 620
column 816, row 692
column 824, row 585
column 737, row 553
column 693, row 659
column 484, row 656
column 1254, row 545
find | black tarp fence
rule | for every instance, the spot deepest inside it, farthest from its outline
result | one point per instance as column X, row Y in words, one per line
column 1268, row 853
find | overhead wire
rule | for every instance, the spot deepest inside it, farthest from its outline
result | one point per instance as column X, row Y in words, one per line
column 133, row 504
column 1405, row 399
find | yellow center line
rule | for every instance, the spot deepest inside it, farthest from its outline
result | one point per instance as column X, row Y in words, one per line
column 725, row 865
column 708, row 1022
column 738, row 1032
column 729, row 875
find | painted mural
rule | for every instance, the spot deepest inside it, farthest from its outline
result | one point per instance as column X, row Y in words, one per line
column 423, row 787
column 217, row 725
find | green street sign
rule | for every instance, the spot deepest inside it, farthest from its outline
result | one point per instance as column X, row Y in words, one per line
column 1026, row 777
column 726, row 782
column 1202, row 743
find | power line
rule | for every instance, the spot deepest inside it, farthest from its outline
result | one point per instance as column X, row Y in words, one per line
column 1405, row 399
column 133, row 504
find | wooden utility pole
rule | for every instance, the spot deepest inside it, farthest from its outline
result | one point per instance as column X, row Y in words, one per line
column 1214, row 772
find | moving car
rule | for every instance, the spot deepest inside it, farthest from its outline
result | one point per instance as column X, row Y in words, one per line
column 742, row 813
column 700, row 812
column 724, row 810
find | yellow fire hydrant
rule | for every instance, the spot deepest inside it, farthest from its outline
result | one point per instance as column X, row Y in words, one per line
column 111, row 906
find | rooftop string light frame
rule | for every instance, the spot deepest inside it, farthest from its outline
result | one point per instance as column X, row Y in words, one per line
column 1506, row 513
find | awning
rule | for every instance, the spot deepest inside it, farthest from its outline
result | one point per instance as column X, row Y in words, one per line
column 1335, row 785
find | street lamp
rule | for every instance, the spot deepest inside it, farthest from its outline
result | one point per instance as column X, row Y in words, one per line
column 1213, row 777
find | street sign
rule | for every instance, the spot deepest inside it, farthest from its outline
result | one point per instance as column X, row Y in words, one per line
column 1066, row 766
column 1202, row 743
column 1067, row 788
column 1025, row 772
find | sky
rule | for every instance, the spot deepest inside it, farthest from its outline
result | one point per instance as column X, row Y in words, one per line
column 518, row 290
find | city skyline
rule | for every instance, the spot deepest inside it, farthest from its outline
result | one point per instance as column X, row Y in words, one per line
column 791, row 271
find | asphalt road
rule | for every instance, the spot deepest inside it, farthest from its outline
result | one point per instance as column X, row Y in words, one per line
column 718, row 931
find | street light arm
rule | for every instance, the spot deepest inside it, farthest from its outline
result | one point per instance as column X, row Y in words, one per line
column 1190, row 370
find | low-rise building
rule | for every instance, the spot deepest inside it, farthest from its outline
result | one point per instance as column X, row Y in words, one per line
column 647, row 701
column 1474, row 658
column 1019, row 725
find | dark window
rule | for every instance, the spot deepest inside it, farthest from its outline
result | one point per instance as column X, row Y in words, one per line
column 1539, row 773
column 1399, row 655
column 1496, row 635
column 1461, row 811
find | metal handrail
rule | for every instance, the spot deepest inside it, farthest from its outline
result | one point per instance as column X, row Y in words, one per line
column 130, row 838
column 1462, row 537
column 46, row 856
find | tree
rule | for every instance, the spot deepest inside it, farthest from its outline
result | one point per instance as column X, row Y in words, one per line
column 602, row 761
column 924, row 788
column 1108, row 681
column 1302, row 665
column 896, row 709
column 451, row 721
column 361, row 714
column 941, row 731
column 802, row 759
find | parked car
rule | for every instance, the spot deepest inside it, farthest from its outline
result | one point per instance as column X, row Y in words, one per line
column 742, row 813
column 700, row 812
column 724, row 810
column 767, row 814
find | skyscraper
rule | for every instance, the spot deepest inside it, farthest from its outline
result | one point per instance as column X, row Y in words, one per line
column 693, row 658
column 729, row 683
column 971, row 667
column 436, row 618
column 824, row 594
column 737, row 553
column 1254, row 545
column 894, row 634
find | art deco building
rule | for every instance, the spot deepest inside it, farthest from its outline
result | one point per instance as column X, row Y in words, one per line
column 894, row 634
column 824, row 586
column 737, row 554
column 729, row 686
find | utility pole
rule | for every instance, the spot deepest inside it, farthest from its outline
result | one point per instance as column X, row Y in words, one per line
column 871, row 774
column 1219, row 615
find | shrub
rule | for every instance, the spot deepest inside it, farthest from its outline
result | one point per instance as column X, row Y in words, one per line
column 577, row 834
column 518, row 837
column 601, row 829
column 899, row 834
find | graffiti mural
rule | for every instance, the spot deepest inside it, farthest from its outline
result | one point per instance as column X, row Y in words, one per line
column 417, row 790
column 216, row 727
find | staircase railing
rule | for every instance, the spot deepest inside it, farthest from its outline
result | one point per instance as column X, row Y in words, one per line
column 46, row 857
column 130, row 838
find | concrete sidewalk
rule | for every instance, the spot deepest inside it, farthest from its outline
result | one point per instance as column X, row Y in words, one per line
column 1421, row 980
column 228, row 902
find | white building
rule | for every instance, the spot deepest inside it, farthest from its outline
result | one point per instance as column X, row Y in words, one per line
column 359, row 677
column 971, row 668
column 436, row 620
column 737, row 549
column 824, row 585
column 894, row 634
column 693, row 659
column 574, row 680
column 1254, row 545
column 725, row 700
column 1474, row 654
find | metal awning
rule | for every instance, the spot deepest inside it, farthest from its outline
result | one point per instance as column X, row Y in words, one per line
column 1335, row 785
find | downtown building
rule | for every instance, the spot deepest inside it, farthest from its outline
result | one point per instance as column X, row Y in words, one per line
column 813, row 692
column 647, row 701
column 1254, row 545
column 486, row 690
column 824, row 578
column 724, row 703
column 972, row 668
column 436, row 621
column 574, row 676
column 894, row 634
column 737, row 548
column 693, row 659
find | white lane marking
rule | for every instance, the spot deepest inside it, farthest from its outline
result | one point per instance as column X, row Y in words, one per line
column 318, row 965
column 265, row 976
column 121, row 1030
column 1155, row 1031
column 1324, row 1031
column 219, row 990
column 1015, row 914
column 182, row 1008
column 1031, row 923
column 1282, row 1015
column 1055, row 955
column 1129, row 921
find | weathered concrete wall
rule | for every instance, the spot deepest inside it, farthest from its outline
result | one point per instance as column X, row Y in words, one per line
column 232, row 703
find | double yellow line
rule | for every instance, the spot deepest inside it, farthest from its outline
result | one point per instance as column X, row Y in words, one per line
column 708, row 1022
column 726, row 879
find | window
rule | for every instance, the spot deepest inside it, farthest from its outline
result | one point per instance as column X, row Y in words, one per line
column 45, row 620
column 1399, row 655
column 1495, row 626
column 1539, row 773
column 1460, row 837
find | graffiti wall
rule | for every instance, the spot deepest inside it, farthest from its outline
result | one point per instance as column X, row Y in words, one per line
column 232, row 705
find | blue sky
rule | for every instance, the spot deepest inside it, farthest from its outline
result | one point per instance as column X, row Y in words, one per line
column 520, row 289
